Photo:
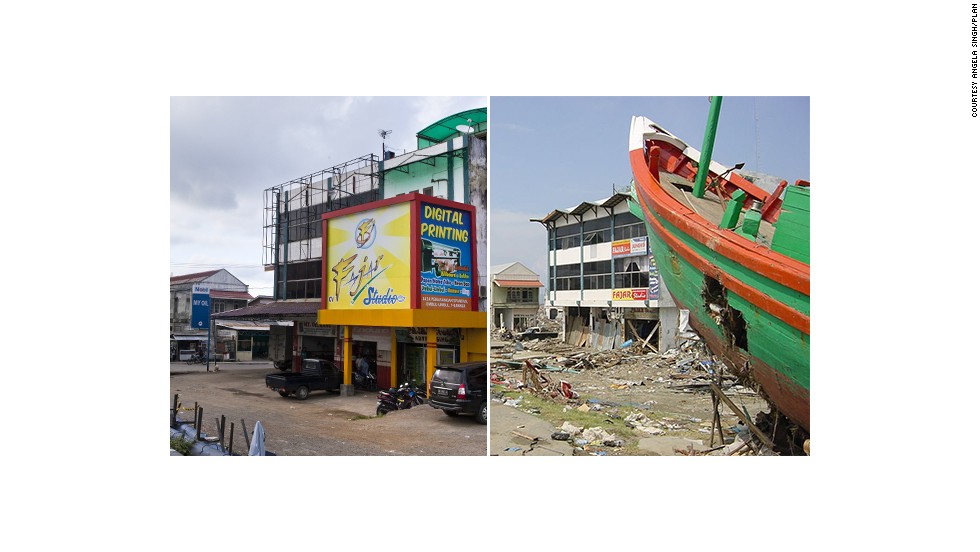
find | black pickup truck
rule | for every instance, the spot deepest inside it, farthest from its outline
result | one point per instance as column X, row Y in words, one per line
column 317, row 374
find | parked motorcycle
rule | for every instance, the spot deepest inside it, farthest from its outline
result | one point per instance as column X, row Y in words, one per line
column 367, row 383
column 197, row 358
column 417, row 393
column 402, row 398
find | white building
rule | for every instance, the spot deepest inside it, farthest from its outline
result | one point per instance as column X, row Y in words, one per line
column 602, row 275
column 514, row 296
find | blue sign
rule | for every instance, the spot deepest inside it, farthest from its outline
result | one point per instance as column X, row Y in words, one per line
column 200, row 307
column 445, row 266
column 654, row 291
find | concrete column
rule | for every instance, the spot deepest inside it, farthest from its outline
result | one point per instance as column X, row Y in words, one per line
column 347, row 388
column 464, row 343
column 394, row 359
column 430, row 354
column 669, row 318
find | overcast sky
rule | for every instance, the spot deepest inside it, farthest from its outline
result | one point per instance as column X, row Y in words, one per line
column 225, row 151
column 554, row 153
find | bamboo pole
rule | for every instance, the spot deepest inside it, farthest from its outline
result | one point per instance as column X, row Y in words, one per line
column 745, row 419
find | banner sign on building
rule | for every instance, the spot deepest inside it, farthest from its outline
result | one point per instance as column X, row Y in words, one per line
column 444, row 336
column 445, row 266
column 629, row 294
column 368, row 259
column 630, row 247
column 200, row 307
column 654, row 292
column 316, row 330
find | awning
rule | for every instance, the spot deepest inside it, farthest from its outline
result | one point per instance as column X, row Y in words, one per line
column 190, row 338
column 243, row 326
column 445, row 128
column 518, row 283
column 279, row 310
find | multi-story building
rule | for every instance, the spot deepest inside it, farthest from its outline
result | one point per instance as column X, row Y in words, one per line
column 601, row 273
column 514, row 296
column 449, row 165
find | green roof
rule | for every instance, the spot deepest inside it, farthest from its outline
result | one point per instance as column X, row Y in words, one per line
column 445, row 129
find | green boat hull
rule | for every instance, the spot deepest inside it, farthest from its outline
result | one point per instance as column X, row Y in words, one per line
column 757, row 344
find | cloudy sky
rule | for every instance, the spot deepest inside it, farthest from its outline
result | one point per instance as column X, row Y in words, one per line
column 551, row 153
column 225, row 151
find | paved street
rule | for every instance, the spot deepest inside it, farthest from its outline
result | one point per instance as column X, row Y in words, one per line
column 325, row 423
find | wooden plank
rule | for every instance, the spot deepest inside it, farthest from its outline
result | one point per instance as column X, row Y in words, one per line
column 741, row 416
column 645, row 341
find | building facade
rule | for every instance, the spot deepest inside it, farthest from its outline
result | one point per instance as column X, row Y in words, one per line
column 402, row 275
column 601, row 273
column 226, row 293
column 448, row 166
column 514, row 296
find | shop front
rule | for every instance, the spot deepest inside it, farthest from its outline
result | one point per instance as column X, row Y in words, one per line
column 411, row 350
column 399, row 282
column 182, row 347
column 316, row 341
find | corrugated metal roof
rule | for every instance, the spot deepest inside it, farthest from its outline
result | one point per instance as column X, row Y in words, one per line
column 243, row 325
column 191, row 278
column 272, row 310
column 584, row 207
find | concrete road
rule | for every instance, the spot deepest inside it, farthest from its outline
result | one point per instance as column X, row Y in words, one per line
column 514, row 432
column 325, row 424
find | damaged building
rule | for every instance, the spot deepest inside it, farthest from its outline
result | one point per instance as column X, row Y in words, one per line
column 603, row 277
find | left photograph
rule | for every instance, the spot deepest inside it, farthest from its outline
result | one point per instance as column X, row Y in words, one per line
column 328, row 276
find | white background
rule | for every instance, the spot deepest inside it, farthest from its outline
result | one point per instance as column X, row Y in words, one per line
column 84, row 128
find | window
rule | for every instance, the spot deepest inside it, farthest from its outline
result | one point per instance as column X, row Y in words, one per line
column 428, row 190
column 520, row 296
column 632, row 272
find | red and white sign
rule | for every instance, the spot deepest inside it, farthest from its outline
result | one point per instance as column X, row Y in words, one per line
column 629, row 294
column 630, row 247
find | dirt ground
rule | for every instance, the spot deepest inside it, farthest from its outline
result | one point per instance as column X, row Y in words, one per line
column 640, row 382
column 325, row 424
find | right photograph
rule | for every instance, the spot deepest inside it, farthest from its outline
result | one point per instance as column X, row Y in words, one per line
column 649, row 276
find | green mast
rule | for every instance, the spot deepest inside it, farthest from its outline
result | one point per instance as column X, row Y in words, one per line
column 707, row 146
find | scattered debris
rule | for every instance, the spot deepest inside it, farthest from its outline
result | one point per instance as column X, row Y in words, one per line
column 595, row 435
column 571, row 429
column 654, row 393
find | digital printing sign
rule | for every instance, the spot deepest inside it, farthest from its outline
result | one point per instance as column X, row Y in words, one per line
column 445, row 264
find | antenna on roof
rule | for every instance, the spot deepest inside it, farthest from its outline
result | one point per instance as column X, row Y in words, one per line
column 383, row 134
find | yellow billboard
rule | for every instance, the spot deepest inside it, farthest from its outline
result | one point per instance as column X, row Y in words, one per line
column 368, row 259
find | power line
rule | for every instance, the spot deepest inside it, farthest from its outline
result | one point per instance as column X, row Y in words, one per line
column 218, row 265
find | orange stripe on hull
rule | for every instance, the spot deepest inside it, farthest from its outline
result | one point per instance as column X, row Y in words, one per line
column 778, row 268
column 789, row 315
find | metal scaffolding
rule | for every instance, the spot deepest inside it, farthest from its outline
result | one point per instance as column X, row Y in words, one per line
column 291, row 229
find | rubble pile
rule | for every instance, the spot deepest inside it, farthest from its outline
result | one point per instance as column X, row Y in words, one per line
column 690, row 369
column 632, row 384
